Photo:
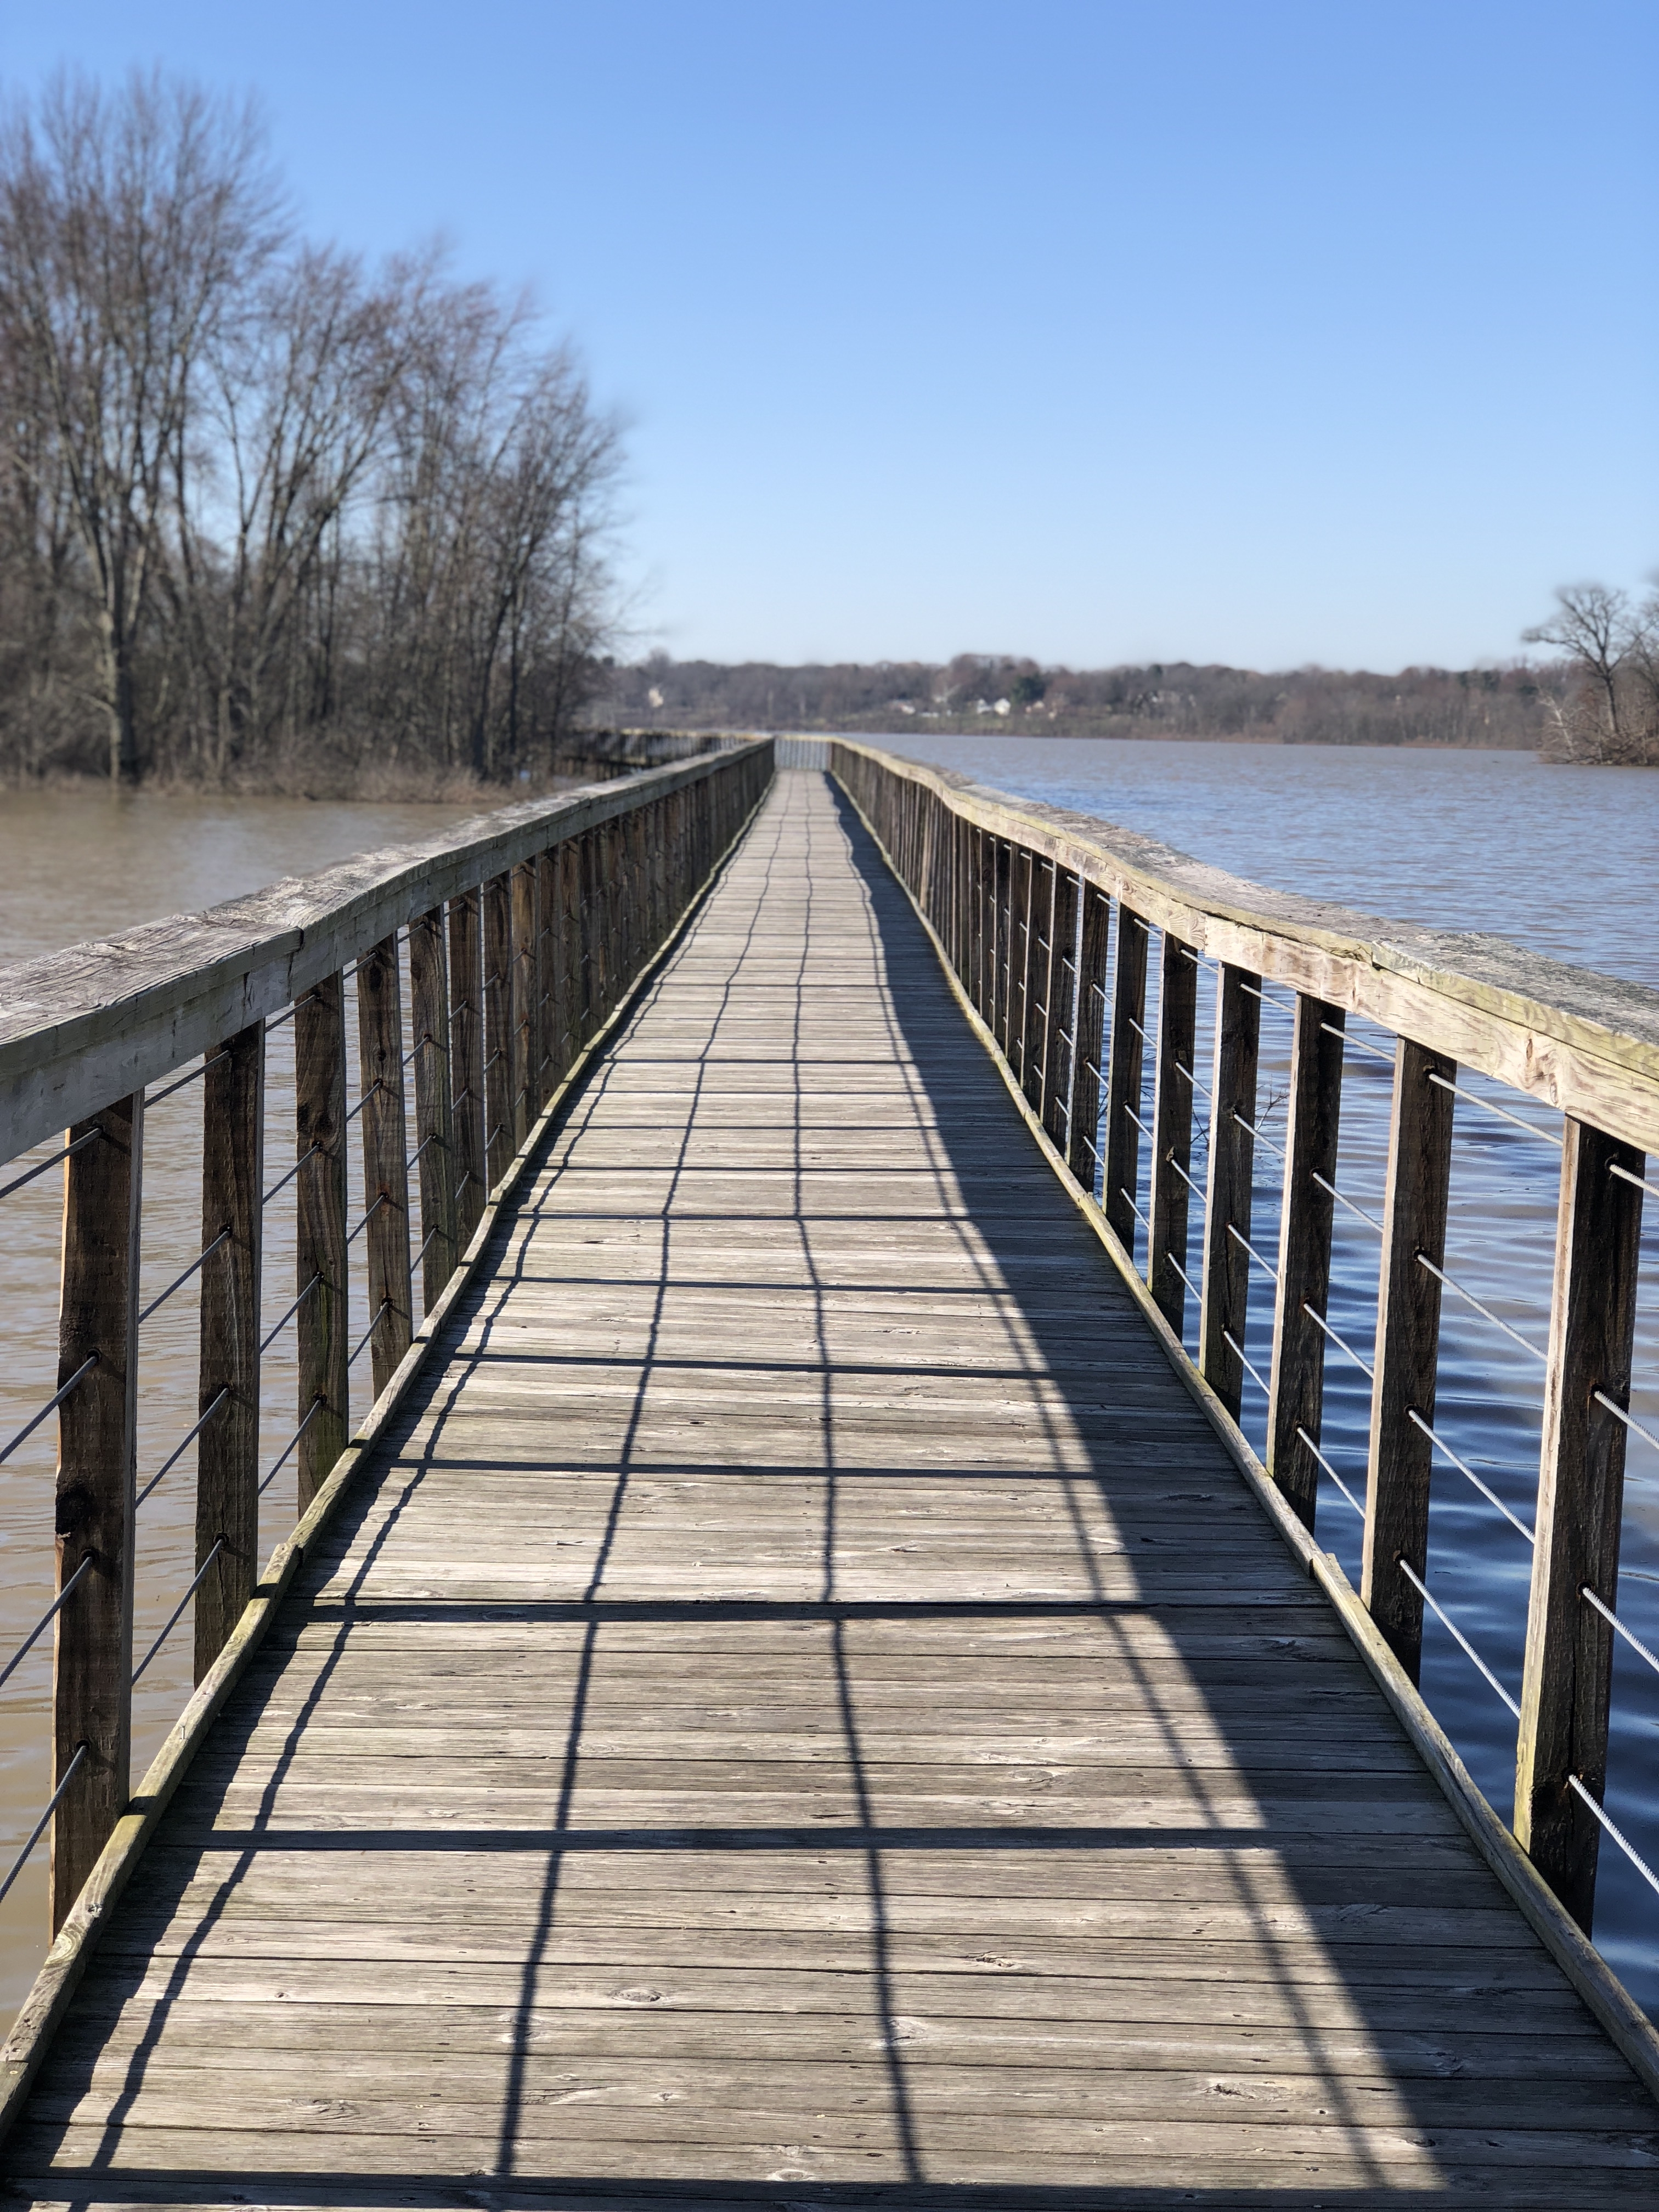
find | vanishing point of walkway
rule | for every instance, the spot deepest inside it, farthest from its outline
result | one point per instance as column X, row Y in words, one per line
column 805, row 1713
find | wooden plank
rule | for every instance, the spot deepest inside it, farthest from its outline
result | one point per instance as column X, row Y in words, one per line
column 466, row 1057
column 429, row 1011
column 1123, row 1079
column 1226, row 1280
column 323, row 1323
column 1296, row 1405
column 1568, row 1673
column 227, row 1450
column 1173, row 1078
column 97, row 1423
column 1408, row 1347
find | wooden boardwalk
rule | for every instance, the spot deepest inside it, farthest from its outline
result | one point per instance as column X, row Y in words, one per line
column 806, row 1713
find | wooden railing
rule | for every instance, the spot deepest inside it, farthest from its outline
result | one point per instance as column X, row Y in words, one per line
column 486, row 961
column 1049, row 921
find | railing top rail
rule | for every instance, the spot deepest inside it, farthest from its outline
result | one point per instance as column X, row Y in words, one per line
column 98, row 1021
column 1585, row 1043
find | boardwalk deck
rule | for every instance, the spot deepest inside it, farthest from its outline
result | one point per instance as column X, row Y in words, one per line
column 804, row 1712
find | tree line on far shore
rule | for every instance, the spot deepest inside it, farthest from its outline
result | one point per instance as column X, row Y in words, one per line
column 269, row 516
column 1517, row 706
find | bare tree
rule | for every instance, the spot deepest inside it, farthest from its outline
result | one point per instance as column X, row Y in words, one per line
column 129, row 226
column 1599, row 632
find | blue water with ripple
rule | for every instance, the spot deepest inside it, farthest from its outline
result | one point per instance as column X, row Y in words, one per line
column 1565, row 860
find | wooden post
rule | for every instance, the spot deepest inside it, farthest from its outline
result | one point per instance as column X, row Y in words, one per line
column 1039, row 954
column 521, row 1012
column 1123, row 1076
column 1226, row 1280
column 1407, row 1347
column 97, row 1468
column 1082, row 1147
column 1296, row 1405
column 385, row 1157
column 1022, row 868
column 1058, row 1076
column 596, row 935
column 227, row 1450
column 544, row 1039
column 1002, row 860
column 428, row 1003
column 1172, row 1129
column 323, row 1321
column 497, row 1028
column 467, row 1062
column 1567, row 1680
column 567, row 957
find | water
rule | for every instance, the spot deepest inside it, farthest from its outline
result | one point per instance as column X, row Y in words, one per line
column 1560, row 858
column 1557, row 857
column 76, row 865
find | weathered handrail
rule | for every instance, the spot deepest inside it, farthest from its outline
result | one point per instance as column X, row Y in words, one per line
column 1021, row 897
column 508, row 943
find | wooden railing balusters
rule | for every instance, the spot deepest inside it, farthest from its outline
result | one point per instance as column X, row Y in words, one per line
column 1296, row 1405
column 227, row 1450
column 428, row 1018
column 386, row 1158
column 323, row 1321
column 1172, row 1129
column 1225, row 1286
column 1407, row 1347
column 1566, row 1682
column 97, row 1469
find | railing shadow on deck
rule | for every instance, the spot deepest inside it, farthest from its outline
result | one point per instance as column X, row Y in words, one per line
column 963, row 1095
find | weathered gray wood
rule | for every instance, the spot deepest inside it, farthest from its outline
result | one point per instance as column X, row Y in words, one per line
column 98, row 1021
column 323, row 1321
column 852, row 1846
column 498, row 1061
column 1060, row 998
column 1567, row 1680
column 429, row 1016
column 542, row 1036
column 1407, row 1347
column 1586, row 1042
column 227, row 1450
column 521, row 999
column 1083, row 1155
column 97, row 1423
column 385, row 1157
column 1021, row 945
column 1226, row 1280
column 1123, row 1077
column 466, row 1058
column 1034, row 1049
column 1296, row 1406
column 1172, row 1129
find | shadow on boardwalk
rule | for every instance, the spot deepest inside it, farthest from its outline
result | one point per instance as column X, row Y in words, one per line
column 806, row 1715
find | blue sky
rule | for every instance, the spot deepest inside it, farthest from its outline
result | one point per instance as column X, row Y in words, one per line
column 1262, row 333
